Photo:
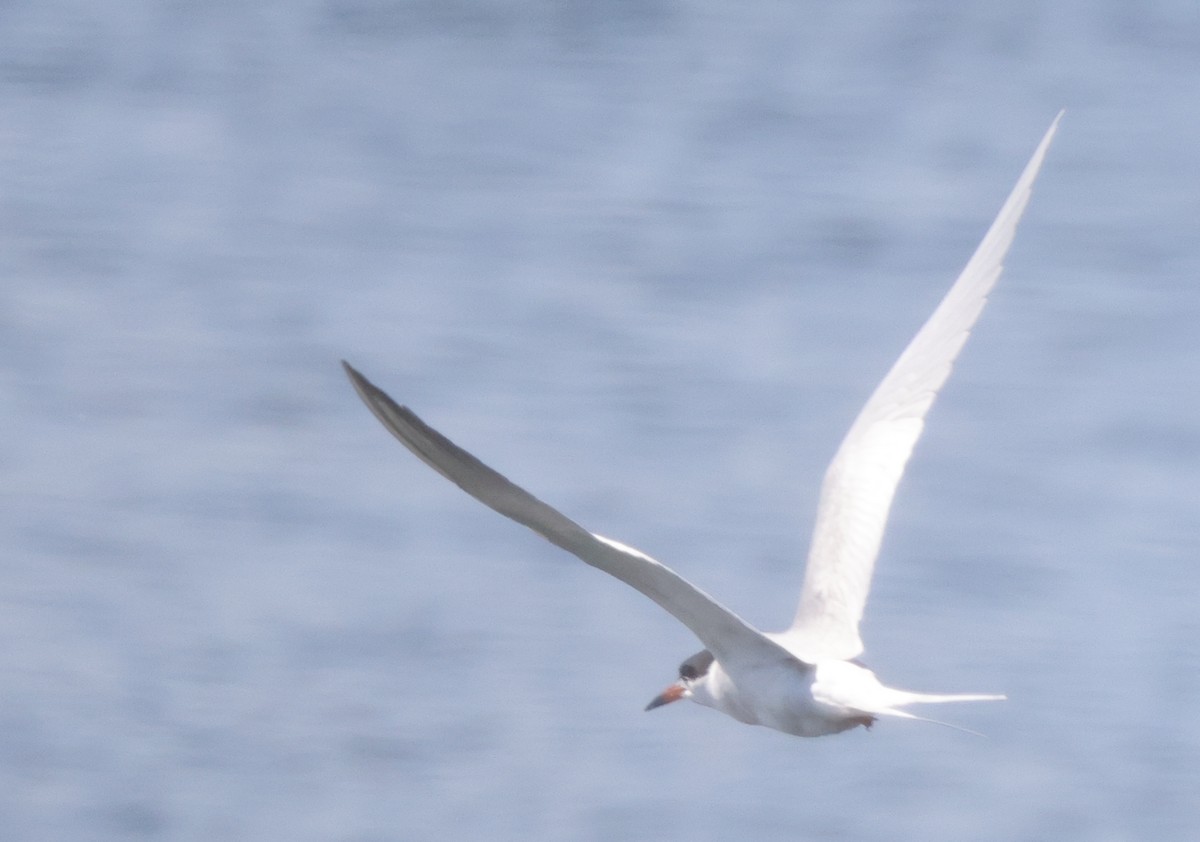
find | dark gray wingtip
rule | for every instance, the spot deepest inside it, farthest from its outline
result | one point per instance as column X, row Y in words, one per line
column 356, row 378
column 464, row 470
column 426, row 443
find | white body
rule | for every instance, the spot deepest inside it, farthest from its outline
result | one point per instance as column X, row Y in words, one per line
column 804, row 680
column 803, row 701
column 813, row 700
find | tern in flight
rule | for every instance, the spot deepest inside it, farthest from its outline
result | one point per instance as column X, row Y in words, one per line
column 806, row 680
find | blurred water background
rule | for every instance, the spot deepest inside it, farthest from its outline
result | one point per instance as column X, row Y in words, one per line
column 648, row 258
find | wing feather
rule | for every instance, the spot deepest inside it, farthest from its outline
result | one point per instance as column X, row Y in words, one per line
column 860, row 483
column 733, row 641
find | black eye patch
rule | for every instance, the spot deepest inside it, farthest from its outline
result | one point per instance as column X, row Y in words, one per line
column 696, row 666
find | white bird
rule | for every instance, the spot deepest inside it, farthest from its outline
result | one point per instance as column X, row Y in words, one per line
column 806, row 680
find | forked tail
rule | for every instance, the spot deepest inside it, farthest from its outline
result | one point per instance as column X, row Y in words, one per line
column 903, row 697
column 897, row 699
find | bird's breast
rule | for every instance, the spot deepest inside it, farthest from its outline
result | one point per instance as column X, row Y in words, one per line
column 779, row 696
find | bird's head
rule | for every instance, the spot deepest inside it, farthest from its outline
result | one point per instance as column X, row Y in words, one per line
column 692, row 670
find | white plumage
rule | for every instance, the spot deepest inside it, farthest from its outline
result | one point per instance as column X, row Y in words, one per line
column 804, row 680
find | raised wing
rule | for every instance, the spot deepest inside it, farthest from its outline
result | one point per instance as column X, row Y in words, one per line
column 734, row 643
column 861, row 481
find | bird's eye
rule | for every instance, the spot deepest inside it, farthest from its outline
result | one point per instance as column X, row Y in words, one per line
column 687, row 672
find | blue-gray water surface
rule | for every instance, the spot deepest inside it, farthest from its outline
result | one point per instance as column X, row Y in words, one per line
column 647, row 258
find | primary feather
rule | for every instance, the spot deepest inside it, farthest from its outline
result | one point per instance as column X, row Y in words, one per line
column 729, row 637
column 860, row 483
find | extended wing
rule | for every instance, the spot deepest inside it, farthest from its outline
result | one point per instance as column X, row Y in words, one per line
column 727, row 636
column 861, row 481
